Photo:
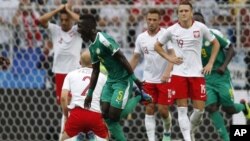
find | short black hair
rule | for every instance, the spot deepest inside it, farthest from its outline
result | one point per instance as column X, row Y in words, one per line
column 199, row 14
column 89, row 19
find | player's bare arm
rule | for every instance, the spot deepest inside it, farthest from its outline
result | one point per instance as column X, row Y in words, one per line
column 230, row 52
column 64, row 102
column 73, row 15
column 93, row 81
column 166, row 75
column 173, row 59
column 216, row 47
column 44, row 19
column 135, row 60
column 122, row 59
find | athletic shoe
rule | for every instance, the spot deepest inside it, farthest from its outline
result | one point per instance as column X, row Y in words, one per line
column 247, row 109
column 145, row 98
column 80, row 136
column 166, row 137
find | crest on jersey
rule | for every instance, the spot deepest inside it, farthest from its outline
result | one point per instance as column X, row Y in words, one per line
column 196, row 34
column 97, row 51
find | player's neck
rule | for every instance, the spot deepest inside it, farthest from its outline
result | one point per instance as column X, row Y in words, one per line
column 186, row 24
column 152, row 33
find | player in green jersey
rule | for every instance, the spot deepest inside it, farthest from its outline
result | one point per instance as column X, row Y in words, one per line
column 218, row 83
column 116, row 101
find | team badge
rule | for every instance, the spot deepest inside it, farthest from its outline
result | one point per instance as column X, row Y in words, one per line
column 97, row 51
column 196, row 34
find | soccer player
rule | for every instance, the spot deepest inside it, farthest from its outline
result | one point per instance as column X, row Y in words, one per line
column 117, row 89
column 218, row 83
column 154, row 67
column 67, row 45
column 187, row 80
column 76, row 84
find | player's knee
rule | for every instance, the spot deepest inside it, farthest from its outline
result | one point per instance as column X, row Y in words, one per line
column 212, row 108
column 150, row 109
column 228, row 110
column 163, row 110
column 114, row 117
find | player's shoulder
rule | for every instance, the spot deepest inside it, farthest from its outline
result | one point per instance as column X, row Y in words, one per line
column 199, row 24
column 217, row 32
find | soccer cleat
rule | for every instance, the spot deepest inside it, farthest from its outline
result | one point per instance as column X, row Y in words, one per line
column 247, row 109
column 80, row 136
column 166, row 137
column 145, row 98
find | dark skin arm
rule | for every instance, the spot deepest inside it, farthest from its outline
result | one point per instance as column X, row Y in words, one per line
column 230, row 52
column 93, row 81
column 122, row 59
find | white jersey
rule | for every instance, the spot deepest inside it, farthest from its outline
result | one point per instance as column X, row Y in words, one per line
column 77, row 82
column 187, row 44
column 67, row 48
column 154, row 64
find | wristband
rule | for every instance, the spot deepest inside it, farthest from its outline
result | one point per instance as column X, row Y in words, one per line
column 134, row 78
column 90, row 92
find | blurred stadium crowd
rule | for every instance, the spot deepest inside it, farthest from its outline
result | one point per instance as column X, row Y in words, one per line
column 30, row 49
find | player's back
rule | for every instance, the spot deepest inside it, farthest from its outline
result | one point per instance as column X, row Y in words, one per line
column 79, row 81
column 103, row 49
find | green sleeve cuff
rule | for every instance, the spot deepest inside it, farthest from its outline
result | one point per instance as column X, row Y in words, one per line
column 90, row 92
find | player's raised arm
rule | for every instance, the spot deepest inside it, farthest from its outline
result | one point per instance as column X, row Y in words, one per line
column 44, row 19
column 73, row 15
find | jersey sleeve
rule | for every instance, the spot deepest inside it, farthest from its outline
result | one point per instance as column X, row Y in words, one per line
column 165, row 37
column 93, row 56
column 223, row 42
column 66, row 84
column 207, row 34
column 138, row 46
column 109, row 42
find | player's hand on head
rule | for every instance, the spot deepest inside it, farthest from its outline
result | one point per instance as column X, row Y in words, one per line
column 207, row 69
column 87, row 102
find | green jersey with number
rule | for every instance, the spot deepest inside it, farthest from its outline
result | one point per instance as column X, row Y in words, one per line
column 102, row 50
column 207, row 49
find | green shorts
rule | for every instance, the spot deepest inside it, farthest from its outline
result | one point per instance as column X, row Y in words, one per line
column 117, row 93
column 219, row 90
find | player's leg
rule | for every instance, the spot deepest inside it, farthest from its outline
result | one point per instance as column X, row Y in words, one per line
column 197, row 92
column 59, row 78
column 112, row 110
column 227, row 100
column 150, row 122
column 165, row 99
column 180, row 88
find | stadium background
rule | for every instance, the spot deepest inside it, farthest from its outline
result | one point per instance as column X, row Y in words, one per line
column 28, row 109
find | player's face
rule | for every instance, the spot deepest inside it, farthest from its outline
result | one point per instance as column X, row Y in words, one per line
column 66, row 22
column 84, row 30
column 153, row 21
column 184, row 13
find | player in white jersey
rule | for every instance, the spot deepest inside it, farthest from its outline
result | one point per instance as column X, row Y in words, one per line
column 78, row 119
column 187, row 79
column 154, row 67
column 67, row 45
